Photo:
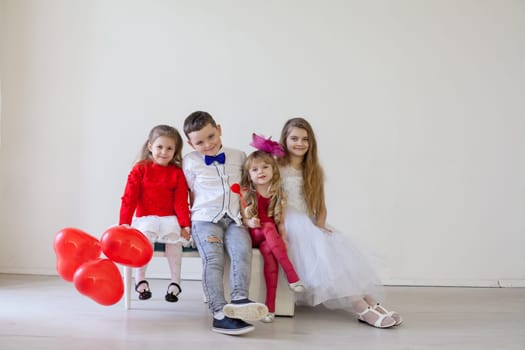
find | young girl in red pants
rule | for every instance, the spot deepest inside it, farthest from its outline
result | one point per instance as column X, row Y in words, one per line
column 263, row 213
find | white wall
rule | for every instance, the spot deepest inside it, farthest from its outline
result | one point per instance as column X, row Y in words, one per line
column 418, row 108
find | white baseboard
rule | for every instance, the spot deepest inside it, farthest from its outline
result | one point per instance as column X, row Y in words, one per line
column 456, row 283
column 192, row 270
column 38, row 272
column 512, row 283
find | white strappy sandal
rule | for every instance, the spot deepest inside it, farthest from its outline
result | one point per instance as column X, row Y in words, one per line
column 395, row 315
column 380, row 318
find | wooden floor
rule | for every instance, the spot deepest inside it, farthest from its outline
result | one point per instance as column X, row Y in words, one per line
column 45, row 312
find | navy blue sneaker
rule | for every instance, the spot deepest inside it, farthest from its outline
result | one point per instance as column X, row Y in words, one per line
column 231, row 326
column 245, row 309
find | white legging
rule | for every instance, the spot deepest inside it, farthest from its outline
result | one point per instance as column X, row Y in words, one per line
column 173, row 253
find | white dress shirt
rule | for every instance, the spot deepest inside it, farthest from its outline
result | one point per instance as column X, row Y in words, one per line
column 210, row 185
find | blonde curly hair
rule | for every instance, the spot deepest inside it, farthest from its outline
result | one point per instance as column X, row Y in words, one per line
column 277, row 202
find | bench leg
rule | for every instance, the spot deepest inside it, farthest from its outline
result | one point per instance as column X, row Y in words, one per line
column 127, row 287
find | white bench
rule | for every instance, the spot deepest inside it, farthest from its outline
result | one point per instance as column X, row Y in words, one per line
column 285, row 300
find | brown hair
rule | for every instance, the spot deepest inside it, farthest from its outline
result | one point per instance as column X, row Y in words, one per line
column 196, row 121
column 275, row 208
column 166, row 131
column 313, row 175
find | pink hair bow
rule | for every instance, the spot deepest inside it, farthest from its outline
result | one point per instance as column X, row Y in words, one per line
column 267, row 145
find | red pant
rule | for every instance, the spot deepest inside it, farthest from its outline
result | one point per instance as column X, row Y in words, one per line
column 273, row 251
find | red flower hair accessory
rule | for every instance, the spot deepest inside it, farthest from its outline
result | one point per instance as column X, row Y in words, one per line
column 267, row 145
column 236, row 188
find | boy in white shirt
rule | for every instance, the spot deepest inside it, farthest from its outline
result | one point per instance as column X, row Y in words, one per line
column 216, row 224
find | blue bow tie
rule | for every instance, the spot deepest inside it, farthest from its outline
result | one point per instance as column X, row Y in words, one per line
column 219, row 158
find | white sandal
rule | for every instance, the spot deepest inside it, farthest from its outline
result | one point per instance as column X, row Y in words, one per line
column 380, row 318
column 395, row 315
column 297, row 287
column 269, row 318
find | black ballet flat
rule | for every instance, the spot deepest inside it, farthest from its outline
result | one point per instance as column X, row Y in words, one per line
column 170, row 296
column 146, row 293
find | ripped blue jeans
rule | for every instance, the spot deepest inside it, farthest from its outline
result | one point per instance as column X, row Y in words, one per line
column 213, row 240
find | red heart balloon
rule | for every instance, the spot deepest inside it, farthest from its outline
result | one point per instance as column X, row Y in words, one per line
column 127, row 246
column 73, row 247
column 100, row 280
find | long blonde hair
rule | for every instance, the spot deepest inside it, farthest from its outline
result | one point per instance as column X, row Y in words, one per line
column 275, row 208
column 313, row 175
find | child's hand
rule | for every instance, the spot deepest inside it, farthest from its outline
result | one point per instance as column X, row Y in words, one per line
column 185, row 233
column 253, row 222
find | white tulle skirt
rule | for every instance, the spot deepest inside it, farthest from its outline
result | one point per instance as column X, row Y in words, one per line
column 160, row 229
column 331, row 266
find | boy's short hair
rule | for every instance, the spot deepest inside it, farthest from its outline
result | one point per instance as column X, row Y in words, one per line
column 196, row 121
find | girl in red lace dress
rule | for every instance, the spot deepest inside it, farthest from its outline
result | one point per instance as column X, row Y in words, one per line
column 155, row 202
column 263, row 212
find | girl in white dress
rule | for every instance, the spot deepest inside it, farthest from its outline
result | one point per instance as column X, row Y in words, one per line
column 335, row 273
